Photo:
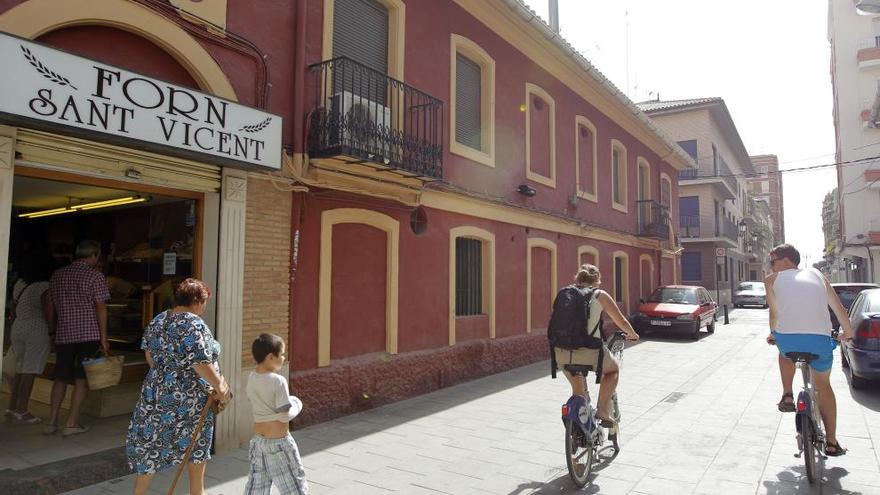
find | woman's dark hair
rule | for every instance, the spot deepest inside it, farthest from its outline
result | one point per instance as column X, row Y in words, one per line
column 191, row 291
column 266, row 344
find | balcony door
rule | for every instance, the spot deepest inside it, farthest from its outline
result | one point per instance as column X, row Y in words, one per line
column 360, row 33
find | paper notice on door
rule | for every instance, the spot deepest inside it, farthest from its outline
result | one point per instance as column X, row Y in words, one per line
column 169, row 264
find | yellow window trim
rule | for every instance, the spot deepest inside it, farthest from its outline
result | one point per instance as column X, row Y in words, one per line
column 642, row 162
column 329, row 218
column 473, row 51
column 488, row 275
column 624, row 277
column 396, row 35
column 622, row 180
column 36, row 17
column 588, row 249
column 650, row 260
column 538, row 242
column 534, row 89
column 590, row 195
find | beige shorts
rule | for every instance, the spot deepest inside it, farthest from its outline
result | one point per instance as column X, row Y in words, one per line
column 581, row 356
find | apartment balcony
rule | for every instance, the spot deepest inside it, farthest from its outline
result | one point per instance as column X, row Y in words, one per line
column 714, row 172
column 699, row 228
column 362, row 117
column 869, row 53
column 653, row 219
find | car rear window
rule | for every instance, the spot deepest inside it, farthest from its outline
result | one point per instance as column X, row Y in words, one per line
column 674, row 295
column 848, row 293
column 755, row 286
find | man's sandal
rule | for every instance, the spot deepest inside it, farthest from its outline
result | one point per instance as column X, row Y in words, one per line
column 837, row 450
column 784, row 405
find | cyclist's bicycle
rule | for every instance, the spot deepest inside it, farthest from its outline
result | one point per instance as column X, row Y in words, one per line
column 584, row 434
column 808, row 422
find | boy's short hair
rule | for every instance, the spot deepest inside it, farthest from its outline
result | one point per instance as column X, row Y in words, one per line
column 266, row 344
column 787, row 251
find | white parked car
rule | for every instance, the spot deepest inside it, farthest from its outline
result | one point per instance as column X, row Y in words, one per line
column 750, row 294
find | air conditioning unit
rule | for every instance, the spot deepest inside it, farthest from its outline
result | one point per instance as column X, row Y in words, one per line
column 364, row 124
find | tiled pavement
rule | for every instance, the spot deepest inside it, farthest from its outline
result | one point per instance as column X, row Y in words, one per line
column 698, row 417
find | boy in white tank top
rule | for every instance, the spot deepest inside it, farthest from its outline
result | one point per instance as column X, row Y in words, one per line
column 799, row 322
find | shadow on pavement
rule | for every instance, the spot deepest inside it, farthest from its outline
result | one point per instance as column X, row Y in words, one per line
column 793, row 481
column 869, row 397
column 562, row 484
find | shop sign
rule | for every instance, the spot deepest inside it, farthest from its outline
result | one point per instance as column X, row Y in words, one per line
column 50, row 89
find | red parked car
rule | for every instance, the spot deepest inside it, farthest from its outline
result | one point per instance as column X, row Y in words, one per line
column 682, row 308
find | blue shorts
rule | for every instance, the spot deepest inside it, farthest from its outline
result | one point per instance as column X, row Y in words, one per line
column 821, row 345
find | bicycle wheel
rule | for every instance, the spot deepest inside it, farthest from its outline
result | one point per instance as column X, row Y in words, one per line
column 578, row 455
column 807, row 439
column 614, row 433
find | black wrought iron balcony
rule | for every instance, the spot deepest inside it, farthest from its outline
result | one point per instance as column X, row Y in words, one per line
column 715, row 170
column 653, row 219
column 361, row 114
column 689, row 226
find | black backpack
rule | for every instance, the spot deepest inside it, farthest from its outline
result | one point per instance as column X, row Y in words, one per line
column 568, row 322
column 568, row 325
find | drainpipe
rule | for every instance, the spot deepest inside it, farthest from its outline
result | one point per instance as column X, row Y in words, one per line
column 297, row 207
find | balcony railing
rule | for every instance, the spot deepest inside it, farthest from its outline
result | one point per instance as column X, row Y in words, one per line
column 689, row 226
column 653, row 219
column 729, row 229
column 362, row 113
column 707, row 168
column 695, row 226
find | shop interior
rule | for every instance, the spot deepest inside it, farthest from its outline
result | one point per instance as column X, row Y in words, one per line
column 149, row 243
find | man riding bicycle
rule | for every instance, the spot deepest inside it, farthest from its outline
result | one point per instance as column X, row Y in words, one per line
column 799, row 322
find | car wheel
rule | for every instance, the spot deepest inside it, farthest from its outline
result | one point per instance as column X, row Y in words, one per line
column 858, row 382
column 695, row 333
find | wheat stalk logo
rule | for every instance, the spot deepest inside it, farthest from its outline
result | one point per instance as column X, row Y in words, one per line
column 45, row 71
column 256, row 127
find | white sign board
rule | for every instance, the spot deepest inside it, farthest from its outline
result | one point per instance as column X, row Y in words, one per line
column 169, row 263
column 47, row 88
column 720, row 252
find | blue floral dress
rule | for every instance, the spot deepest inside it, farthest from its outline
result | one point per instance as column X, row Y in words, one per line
column 173, row 394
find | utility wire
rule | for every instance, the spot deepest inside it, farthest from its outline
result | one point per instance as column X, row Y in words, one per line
column 752, row 175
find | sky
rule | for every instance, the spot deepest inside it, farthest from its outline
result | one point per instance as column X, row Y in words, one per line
column 770, row 62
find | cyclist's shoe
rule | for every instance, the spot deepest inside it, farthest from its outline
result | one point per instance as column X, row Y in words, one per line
column 606, row 422
column 784, row 405
column 836, row 451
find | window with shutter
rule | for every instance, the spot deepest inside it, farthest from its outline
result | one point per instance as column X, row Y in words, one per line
column 691, row 266
column 615, row 175
column 468, row 103
column 360, row 33
column 468, row 277
column 618, row 279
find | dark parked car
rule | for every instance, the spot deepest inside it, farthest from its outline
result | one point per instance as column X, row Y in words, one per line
column 862, row 354
column 684, row 308
column 847, row 293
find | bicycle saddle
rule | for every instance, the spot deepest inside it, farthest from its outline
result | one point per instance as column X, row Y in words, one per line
column 578, row 369
column 804, row 357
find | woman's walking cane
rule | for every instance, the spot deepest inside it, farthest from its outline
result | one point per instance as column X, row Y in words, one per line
column 211, row 404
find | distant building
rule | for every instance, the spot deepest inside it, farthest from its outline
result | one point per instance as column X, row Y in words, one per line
column 713, row 198
column 833, row 266
column 766, row 185
column 855, row 70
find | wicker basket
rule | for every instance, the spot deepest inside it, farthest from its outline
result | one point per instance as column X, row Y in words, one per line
column 103, row 372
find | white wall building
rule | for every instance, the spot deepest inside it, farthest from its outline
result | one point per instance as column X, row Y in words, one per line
column 855, row 72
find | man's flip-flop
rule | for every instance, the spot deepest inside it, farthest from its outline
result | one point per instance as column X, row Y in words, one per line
column 837, row 452
column 784, row 406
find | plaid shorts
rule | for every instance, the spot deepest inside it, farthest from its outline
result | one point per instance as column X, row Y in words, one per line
column 275, row 461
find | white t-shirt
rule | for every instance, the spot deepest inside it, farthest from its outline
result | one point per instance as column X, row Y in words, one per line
column 802, row 302
column 269, row 398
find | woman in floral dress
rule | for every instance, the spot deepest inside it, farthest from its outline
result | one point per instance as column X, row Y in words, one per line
column 182, row 355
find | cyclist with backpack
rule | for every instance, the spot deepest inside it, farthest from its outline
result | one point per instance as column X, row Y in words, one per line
column 575, row 334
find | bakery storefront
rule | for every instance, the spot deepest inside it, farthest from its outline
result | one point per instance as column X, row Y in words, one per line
column 155, row 172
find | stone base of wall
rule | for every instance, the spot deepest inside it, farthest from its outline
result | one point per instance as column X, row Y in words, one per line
column 351, row 385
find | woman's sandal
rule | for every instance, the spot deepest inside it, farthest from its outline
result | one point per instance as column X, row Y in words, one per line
column 785, row 406
column 606, row 422
column 837, row 452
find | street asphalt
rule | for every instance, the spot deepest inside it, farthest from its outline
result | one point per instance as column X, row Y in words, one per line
column 698, row 417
